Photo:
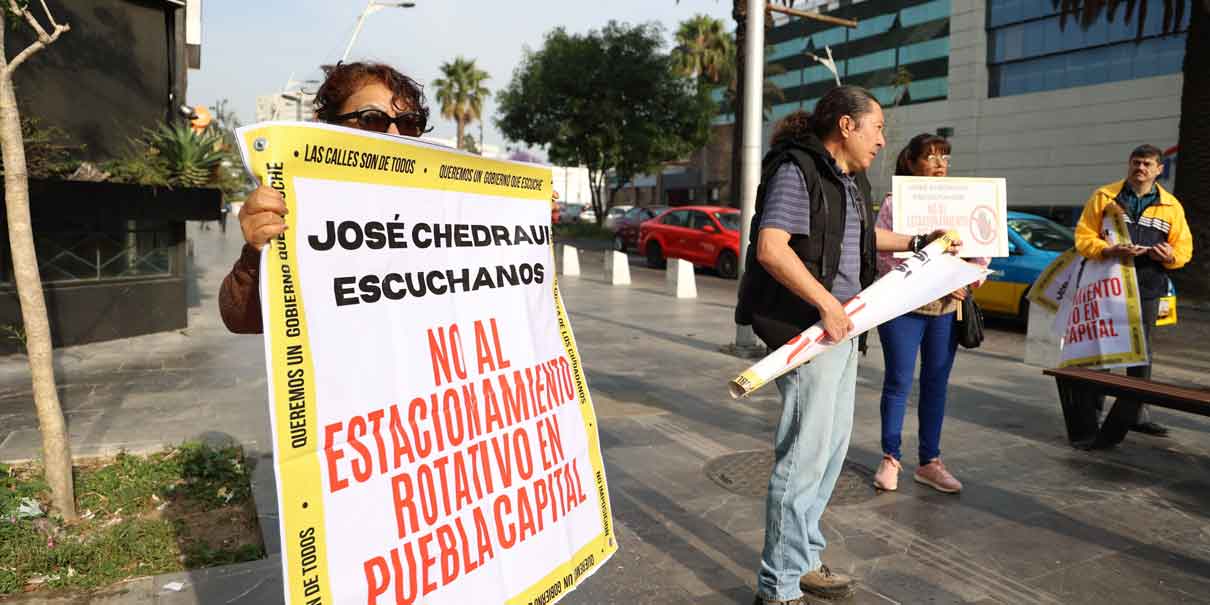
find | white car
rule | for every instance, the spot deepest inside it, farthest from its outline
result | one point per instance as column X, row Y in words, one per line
column 613, row 214
column 588, row 215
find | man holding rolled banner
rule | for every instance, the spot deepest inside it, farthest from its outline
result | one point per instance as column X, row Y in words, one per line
column 814, row 244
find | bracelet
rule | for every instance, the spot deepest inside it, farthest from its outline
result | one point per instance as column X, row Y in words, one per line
column 914, row 245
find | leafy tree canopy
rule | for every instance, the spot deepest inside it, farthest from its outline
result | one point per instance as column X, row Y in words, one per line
column 608, row 100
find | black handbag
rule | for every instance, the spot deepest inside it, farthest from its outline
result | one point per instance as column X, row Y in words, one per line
column 970, row 325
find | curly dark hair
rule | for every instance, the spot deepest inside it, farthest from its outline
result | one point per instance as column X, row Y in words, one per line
column 796, row 126
column 920, row 146
column 343, row 79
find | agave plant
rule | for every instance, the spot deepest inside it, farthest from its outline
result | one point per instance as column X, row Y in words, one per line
column 188, row 159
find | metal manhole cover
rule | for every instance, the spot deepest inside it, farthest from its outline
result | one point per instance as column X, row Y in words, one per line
column 747, row 474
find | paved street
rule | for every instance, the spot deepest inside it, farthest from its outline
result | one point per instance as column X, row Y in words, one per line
column 1039, row 522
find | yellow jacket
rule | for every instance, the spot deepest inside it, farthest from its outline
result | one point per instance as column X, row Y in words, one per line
column 1162, row 221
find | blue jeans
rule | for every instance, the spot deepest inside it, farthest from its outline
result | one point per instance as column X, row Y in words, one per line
column 937, row 342
column 811, row 442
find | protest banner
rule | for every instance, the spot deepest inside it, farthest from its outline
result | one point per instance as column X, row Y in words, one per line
column 433, row 434
column 924, row 277
column 1099, row 316
column 977, row 208
column 1048, row 290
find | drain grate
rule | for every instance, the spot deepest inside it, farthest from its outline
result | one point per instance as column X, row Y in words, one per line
column 747, row 474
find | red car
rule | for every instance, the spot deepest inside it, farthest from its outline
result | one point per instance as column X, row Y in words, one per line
column 707, row 236
column 626, row 227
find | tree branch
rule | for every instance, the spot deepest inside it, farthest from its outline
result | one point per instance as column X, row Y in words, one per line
column 44, row 39
column 29, row 18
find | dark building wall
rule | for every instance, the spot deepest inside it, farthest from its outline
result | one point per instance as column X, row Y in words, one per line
column 120, row 69
column 107, row 224
column 90, row 312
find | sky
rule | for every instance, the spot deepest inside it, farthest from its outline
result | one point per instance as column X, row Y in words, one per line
column 253, row 48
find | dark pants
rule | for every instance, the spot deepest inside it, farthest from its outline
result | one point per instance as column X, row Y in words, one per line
column 1128, row 412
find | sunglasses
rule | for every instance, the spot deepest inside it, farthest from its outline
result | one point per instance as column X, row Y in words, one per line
column 410, row 124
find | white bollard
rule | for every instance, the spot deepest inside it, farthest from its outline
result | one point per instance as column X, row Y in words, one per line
column 1041, row 342
column 679, row 279
column 571, row 260
column 617, row 267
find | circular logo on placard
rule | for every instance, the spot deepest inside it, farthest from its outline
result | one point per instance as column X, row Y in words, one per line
column 984, row 224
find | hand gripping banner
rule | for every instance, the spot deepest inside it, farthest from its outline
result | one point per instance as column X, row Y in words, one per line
column 919, row 280
column 433, row 434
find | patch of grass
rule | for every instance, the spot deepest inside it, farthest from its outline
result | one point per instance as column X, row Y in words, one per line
column 185, row 508
column 581, row 231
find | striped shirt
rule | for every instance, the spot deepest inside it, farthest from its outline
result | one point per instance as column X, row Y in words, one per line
column 788, row 207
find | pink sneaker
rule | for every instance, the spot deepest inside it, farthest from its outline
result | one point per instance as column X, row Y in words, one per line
column 887, row 477
column 935, row 475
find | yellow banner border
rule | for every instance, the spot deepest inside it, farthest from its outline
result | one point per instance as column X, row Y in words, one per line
column 300, row 481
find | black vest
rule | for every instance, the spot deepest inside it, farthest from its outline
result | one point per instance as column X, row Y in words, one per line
column 775, row 313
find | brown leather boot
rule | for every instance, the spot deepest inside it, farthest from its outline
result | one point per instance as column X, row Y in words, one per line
column 827, row 584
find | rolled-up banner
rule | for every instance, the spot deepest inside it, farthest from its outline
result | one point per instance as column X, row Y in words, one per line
column 919, row 280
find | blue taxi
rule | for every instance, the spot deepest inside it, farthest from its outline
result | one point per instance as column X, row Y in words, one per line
column 1033, row 242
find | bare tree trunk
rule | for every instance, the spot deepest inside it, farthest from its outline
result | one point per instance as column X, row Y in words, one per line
column 1193, row 164
column 461, row 122
column 56, row 450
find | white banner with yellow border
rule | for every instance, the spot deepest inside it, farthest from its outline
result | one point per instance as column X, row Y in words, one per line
column 926, row 276
column 1098, row 315
column 434, row 438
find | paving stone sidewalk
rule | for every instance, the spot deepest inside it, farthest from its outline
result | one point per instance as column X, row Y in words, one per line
column 1039, row 522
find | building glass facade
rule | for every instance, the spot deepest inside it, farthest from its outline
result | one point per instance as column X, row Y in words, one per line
column 1028, row 51
column 912, row 35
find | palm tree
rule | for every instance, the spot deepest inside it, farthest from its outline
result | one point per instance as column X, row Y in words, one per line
column 705, row 51
column 1193, row 136
column 461, row 93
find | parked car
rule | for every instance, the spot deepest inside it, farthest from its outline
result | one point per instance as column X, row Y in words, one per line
column 587, row 215
column 615, row 213
column 570, row 213
column 707, row 236
column 1033, row 242
column 626, row 228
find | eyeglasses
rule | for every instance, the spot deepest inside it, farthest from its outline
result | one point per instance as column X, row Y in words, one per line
column 411, row 123
column 939, row 159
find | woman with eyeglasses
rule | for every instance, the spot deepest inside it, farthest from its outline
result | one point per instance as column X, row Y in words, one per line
column 928, row 330
column 366, row 96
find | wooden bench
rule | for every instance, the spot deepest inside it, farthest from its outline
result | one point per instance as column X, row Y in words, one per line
column 1081, row 390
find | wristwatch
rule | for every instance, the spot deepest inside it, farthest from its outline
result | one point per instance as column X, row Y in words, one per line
column 915, row 243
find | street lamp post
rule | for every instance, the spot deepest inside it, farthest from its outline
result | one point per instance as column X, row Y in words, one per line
column 372, row 7
column 750, row 123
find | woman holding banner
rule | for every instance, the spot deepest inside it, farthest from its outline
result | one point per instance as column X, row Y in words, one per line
column 929, row 330
column 366, row 96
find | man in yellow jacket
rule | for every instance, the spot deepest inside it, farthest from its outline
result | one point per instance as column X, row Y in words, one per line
column 1160, row 242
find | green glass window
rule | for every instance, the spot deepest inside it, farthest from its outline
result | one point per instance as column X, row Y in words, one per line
column 923, row 13
column 923, row 51
column 882, row 59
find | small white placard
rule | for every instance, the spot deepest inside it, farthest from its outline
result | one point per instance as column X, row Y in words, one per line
column 977, row 208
